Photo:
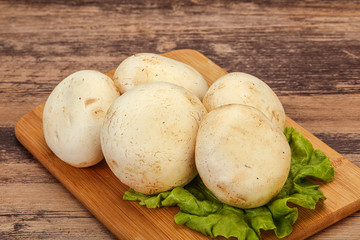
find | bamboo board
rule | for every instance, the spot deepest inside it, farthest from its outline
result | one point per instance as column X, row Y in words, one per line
column 101, row 192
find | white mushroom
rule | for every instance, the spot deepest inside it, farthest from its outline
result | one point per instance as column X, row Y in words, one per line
column 148, row 137
column 242, row 88
column 241, row 156
column 73, row 115
column 148, row 67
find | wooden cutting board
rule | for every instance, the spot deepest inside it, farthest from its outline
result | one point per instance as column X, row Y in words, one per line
column 101, row 192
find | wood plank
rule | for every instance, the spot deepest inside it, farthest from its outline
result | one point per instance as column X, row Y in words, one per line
column 46, row 215
column 278, row 47
column 99, row 190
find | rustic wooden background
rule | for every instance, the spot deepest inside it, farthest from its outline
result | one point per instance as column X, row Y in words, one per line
column 307, row 51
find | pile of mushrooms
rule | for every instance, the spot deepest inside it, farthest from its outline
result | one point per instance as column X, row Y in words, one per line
column 158, row 125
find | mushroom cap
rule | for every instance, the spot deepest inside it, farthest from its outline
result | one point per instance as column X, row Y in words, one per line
column 149, row 67
column 241, row 156
column 73, row 115
column 148, row 137
column 243, row 88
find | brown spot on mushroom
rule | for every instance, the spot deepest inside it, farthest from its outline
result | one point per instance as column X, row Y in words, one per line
column 90, row 101
column 82, row 164
column 114, row 163
column 276, row 115
column 221, row 187
column 191, row 100
column 99, row 113
column 261, row 121
column 151, row 60
column 236, row 200
column 220, row 86
column 57, row 136
column 232, row 200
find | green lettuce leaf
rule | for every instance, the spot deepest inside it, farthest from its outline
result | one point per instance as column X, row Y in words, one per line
column 200, row 210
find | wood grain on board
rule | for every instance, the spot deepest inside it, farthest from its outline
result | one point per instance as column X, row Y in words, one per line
column 101, row 192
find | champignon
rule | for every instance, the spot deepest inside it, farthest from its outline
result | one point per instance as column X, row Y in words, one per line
column 243, row 88
column 241, row 156
column 73, row 115
column 148, row 137
column 149, row 67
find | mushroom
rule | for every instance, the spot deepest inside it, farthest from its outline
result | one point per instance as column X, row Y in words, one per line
column 148, row 137
column 149, row 67
column 241, row 156
column 242, row 88
column 73, row 115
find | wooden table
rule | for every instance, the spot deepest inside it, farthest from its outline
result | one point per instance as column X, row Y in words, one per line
column 307, row 51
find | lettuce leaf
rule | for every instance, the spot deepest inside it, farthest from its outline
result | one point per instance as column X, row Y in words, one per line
column 200, row 210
